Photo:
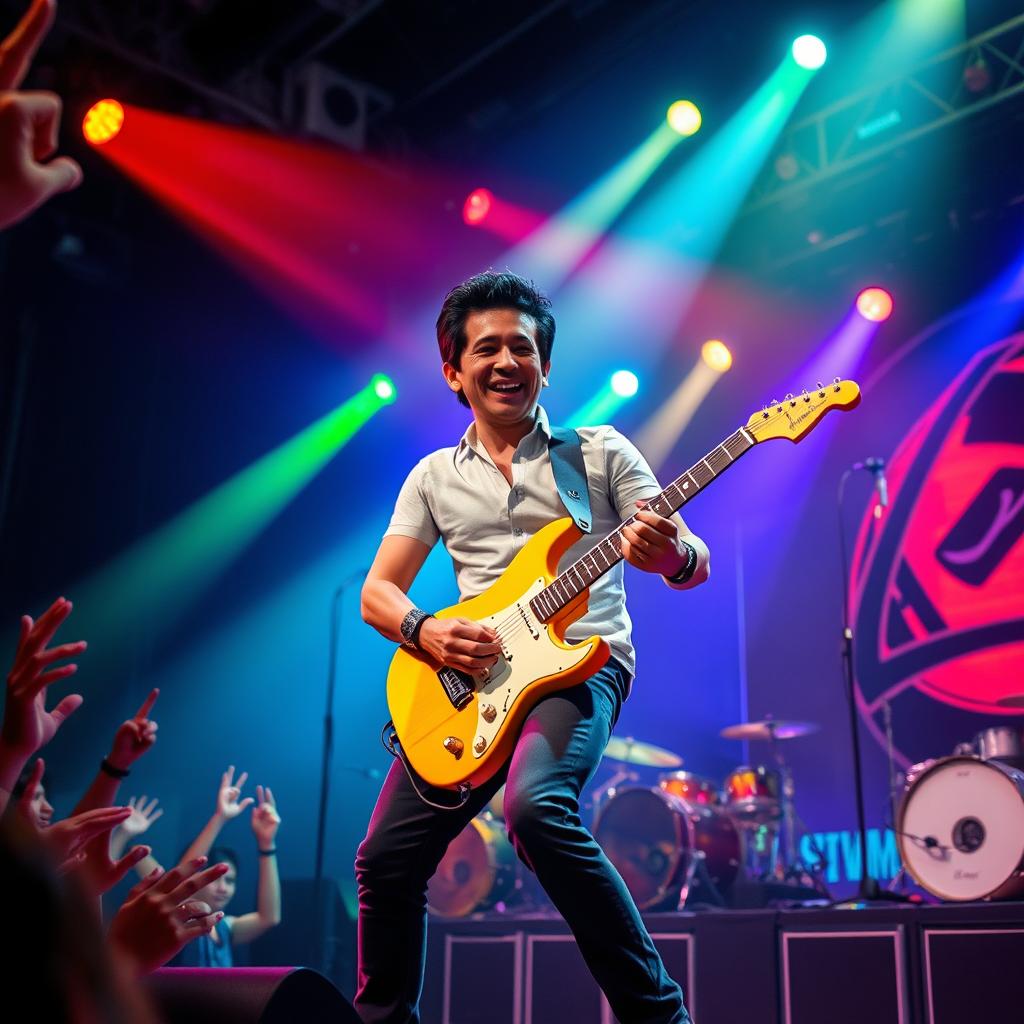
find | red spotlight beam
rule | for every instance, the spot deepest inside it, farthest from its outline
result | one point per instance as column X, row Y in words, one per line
column 308, row 222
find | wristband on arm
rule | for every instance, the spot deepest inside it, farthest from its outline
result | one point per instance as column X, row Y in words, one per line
column 684, row 574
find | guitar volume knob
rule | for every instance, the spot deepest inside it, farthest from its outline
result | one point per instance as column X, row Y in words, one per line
column 489, row 712
column 480, row 745
column 454, row 746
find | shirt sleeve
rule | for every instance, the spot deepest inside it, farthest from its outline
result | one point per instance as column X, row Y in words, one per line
column 630, row 478
column 412, row 516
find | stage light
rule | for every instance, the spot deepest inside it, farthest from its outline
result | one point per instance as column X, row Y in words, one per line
column 102, row 121
column 477, row 206
column 684, row 117
column 625, row 383
column 809, row 52
column 874, row 304
column 383, row 387
column 716, row 354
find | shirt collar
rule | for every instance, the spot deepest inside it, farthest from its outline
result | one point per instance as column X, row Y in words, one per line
column 537, row 438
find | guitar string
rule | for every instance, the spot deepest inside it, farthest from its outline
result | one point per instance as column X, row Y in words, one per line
column 712, row 459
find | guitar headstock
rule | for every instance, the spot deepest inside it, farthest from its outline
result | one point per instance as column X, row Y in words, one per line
column 797, row 415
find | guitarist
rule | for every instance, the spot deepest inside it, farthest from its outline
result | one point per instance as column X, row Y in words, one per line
column 484, row 498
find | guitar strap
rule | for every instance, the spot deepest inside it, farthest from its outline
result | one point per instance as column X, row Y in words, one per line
column 570, row 473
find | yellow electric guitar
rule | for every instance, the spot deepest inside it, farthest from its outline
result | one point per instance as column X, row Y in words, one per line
column 457, row 728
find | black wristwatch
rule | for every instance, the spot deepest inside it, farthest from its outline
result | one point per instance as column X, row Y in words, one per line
column 411, row 626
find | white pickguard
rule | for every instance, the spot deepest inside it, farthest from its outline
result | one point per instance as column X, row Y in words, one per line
column 530, row 654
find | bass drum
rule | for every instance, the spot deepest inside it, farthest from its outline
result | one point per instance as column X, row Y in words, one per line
column 960, row 829
column 477, row 872
column 651, row 836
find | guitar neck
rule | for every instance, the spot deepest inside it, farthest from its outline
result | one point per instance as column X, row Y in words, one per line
column 585, row 571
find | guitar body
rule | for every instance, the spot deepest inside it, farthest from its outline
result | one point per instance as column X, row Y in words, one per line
column 448, row 745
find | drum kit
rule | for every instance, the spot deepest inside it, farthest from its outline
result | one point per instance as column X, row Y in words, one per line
column 960, row 823
column 686, row 834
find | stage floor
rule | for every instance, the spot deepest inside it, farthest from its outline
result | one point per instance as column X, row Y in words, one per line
column 904, row 964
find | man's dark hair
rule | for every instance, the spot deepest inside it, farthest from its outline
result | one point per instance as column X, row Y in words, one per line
column 491, row 290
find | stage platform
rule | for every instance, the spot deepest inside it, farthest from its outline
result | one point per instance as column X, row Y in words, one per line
column 904, row 964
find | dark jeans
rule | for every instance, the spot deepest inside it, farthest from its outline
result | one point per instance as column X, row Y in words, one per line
column 561, row 745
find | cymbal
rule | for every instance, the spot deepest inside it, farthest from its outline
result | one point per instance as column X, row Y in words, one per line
column 625, row 748
column 1011, row 700
column 767, row 728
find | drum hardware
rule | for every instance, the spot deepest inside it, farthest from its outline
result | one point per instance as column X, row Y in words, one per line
column 603, row 794
column 762, row 801
column 647, row 755
column 999, row 743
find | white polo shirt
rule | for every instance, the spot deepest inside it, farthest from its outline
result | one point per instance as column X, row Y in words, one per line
column 459, row 496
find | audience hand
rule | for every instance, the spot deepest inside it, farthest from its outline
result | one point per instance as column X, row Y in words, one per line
column 159, row 918
column 67, row 839
column 29, row 125
column 265, row 819
column 141, row 818
column 228, row 804
column 27, row 724
column 135, row 736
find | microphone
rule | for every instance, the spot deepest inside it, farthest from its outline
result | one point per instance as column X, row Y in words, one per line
column 875, row 465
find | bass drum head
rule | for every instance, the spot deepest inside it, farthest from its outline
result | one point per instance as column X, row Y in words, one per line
column 476, row 872
column 974, row 812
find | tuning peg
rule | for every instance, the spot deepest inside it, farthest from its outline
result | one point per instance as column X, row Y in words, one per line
column 790, row 398
column 806, row 396
column 821, row 390
column 835, row 384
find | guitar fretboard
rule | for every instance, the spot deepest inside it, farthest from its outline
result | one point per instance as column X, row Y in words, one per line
column 585, row 571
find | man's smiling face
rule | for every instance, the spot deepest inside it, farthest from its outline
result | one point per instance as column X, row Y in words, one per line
column 500, row 371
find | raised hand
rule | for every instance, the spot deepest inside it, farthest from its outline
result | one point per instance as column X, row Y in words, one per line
column 228, row 803
column 265, row 819
column 135, row 736
column 141, row 818
column 159, row 917
column 27, row 724
column 29, row 125
column 67, row 839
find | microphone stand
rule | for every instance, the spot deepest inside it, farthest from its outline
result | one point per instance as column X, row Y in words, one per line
column 869, row 889
column 325, row 764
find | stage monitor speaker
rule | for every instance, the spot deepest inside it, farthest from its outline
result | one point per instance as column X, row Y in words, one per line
column 844, row 977
column 972, row 974
column 247, row 995
column 325, row 941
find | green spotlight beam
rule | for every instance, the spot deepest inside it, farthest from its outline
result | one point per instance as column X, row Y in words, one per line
column 643, row 279
column 556, row 248
column 150, row 584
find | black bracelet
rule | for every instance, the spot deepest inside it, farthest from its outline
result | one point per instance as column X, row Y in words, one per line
column 687, row 570
column 411, row 626
column 267, row 853
column 115, row 773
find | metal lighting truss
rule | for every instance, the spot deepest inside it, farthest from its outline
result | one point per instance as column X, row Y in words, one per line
column 876, row 120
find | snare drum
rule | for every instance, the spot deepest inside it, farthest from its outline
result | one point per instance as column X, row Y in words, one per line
column 651, row 836
column 477, row 871
column 960, row 829
column 752, row 793
column 691, row 787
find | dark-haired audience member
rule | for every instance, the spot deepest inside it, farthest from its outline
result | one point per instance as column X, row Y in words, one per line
column 215, row 947
column 29, row 125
